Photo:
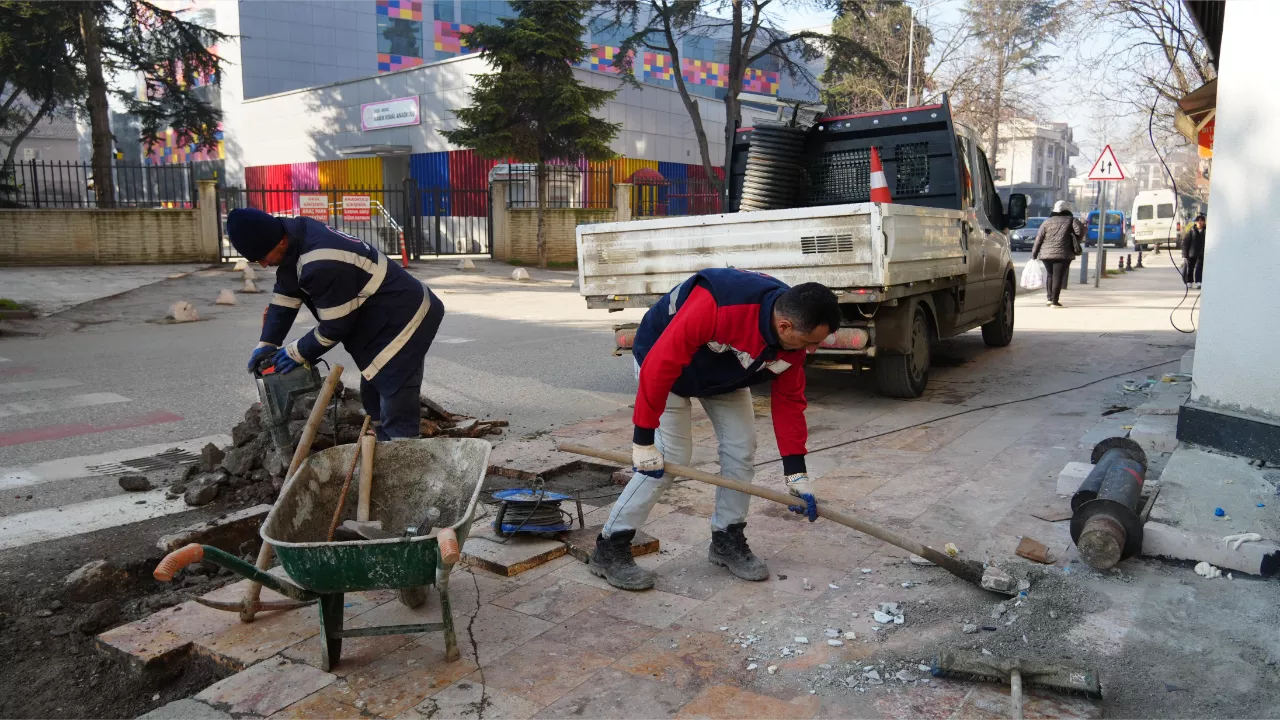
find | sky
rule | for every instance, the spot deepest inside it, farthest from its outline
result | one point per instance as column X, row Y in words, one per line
column 1065, row 86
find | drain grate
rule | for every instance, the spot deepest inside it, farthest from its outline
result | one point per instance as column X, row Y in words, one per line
column 160, row 461
column 1126, row 336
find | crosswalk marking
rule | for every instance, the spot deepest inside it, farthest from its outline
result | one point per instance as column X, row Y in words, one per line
column 84, row 466
column 454, row 340
column 67, row 403
column 32, row 385
column 79, row 518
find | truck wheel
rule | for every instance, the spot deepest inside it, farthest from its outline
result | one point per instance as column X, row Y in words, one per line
column 999, row 332
column 905, row 376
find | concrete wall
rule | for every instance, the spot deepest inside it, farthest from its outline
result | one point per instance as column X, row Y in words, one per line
column 316, row 123
column 1239, row 337
column 111, row 237
column 515, row 230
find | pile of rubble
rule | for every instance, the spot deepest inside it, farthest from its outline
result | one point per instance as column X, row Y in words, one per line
column 254, row 469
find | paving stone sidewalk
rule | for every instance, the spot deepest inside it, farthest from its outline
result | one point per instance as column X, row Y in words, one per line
column 555, row 641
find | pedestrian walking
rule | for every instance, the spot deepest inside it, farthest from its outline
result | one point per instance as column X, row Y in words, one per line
column 1193, row 253
column 711, row 338
column 383, row 316
column 1058, row 242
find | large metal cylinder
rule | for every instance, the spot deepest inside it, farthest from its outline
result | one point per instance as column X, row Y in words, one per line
column 1105, row 454
column 1106, row 528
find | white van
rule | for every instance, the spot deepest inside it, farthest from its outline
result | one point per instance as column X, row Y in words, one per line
column 1155, row 218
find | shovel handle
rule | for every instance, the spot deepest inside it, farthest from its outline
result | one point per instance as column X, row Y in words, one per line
column 177, row 560
column 254, row 590
column 956, row 567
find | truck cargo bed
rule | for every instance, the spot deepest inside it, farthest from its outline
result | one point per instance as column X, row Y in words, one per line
column 865, row 245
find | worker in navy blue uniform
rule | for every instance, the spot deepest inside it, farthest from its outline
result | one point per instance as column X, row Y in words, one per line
column 383, row 316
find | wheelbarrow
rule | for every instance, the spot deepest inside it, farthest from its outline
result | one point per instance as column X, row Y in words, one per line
column 409, row 476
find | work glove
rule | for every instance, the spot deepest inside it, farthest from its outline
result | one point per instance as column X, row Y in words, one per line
column 647, row 460
column 258, row 354
column 283, row 362
column 801, row 486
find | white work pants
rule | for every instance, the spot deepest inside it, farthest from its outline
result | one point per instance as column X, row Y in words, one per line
column 733, row 418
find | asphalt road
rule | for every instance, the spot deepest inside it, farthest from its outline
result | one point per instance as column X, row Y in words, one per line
column 107, row 377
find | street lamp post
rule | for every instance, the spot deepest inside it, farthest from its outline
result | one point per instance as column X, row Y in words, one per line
column 911, row 45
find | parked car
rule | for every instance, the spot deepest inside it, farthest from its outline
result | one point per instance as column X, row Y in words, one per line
column 1114, row 236
column 1026, row 237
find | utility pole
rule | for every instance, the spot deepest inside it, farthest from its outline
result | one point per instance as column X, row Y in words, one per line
column 1102, row 234
column 911, row 51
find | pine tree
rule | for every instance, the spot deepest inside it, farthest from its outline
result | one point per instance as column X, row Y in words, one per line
column 532, row 108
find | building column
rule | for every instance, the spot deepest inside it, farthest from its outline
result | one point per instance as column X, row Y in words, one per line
column 207, row 219
column 1235, row 400
column 622, row 202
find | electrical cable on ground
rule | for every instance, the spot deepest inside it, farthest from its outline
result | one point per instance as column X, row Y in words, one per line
column 1159, row 156
column 974, row 410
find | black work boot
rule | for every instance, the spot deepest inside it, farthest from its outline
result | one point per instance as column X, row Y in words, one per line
column 612, row 561
column 729, row 549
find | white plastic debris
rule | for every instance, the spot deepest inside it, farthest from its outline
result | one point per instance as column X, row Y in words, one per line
column 722, row 629
column 833, row 586
column 1206, row 570
column 752, row 666
column 801, row 640
column 866, row 571
column 986, row 651
column 906, row 584
column 183, row 312
column 951, row 549
column 772, row 669
column 520, row 274
column 1235, row 541
column 225, row 297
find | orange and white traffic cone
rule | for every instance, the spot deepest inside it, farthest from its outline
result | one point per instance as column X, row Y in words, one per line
column 879, row 185
column 404, row 252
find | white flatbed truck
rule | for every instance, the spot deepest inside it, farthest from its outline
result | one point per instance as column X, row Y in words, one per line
column 932, row 264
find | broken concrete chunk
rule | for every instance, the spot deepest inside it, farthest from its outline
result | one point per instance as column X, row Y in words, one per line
column 998, row 610
column 1206, row 570
column 249, row 273
column 520, row 274
column 92, row 580
column 250, row 286
column 244, row 433
column 466, row 264
column 969, row 629
column 772, row 669
column 997, row 580
column 230, row 532
column 225, row 297
column 831, row 633
column 240, row 265
column 923, row 562
column 835, row 643
column 135, row 483
column 211, row 457
column 98, row 617
column 205, row 488
column 881, row 617
column 906, row 676
column 240, row 460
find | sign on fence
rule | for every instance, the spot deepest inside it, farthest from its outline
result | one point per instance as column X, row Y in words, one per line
column 355, row 208
column 315, row 207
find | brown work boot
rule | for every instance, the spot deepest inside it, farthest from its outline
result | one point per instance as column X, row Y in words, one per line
column 729, row 549
column 613, row 561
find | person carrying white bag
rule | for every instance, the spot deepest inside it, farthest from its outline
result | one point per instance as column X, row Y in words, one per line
column 1058, row 242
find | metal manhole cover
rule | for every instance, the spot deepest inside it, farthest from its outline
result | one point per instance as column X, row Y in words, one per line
column 160, row 461
column 1126, row 336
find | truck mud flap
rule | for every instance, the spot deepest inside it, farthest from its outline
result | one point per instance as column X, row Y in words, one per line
column 624, row 337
